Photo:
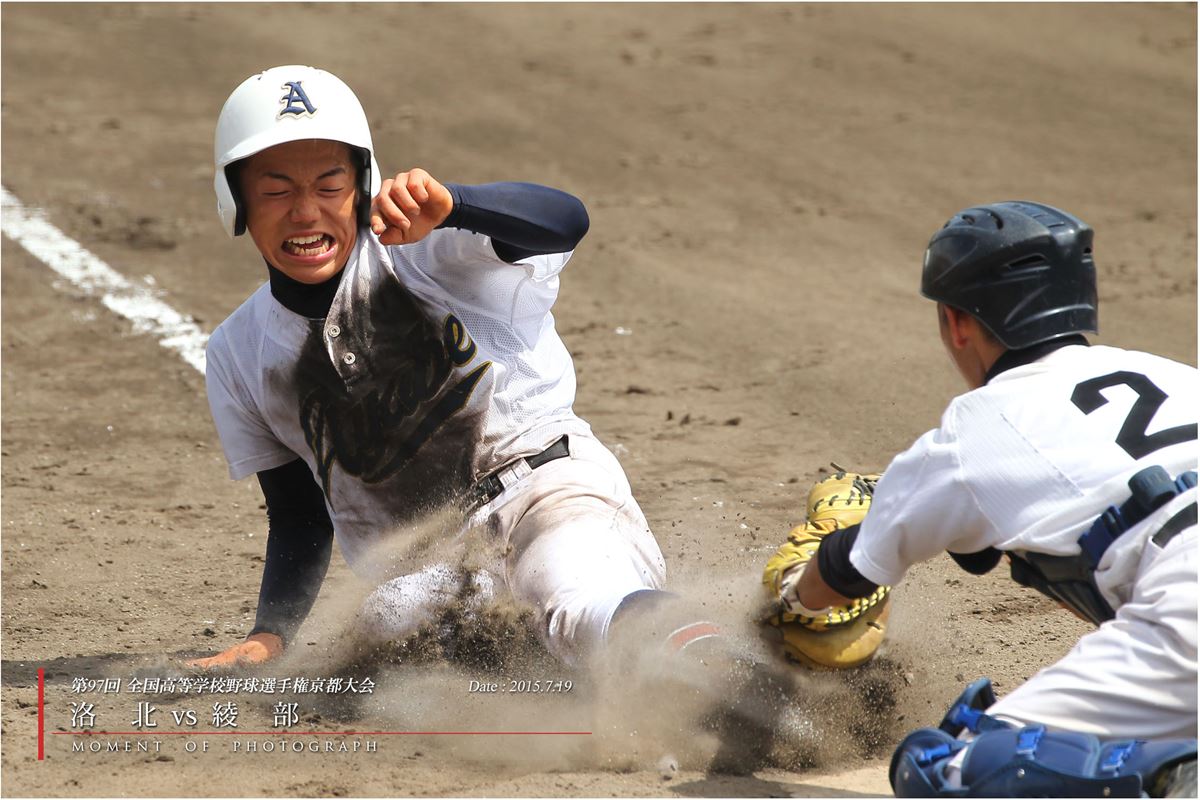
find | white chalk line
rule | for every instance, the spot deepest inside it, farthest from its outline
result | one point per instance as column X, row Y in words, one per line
column 177, row 332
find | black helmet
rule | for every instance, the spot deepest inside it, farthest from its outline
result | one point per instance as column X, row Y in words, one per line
column 1023, row 269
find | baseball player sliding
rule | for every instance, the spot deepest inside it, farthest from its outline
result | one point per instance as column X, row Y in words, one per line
column 402, row 359
column 1079, row 463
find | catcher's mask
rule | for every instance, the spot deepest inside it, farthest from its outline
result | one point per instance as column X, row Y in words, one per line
column 286, row 104
column 1023, row 269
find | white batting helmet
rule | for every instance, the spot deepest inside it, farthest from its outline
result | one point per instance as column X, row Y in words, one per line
column 286, row 104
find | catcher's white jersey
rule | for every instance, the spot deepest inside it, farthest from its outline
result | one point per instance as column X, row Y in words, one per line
column 1027, row 463
column 1019, row 464
column 437, row 364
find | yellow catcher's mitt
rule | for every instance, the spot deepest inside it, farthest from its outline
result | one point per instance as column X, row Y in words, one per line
column 845, row 636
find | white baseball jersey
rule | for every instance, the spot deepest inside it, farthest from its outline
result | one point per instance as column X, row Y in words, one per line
column 1027, row 463
column 1019, row 465
column 437, row 364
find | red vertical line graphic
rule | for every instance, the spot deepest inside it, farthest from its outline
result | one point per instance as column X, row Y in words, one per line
column 41, row 714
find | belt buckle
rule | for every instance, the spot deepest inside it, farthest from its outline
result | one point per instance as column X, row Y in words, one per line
column 488, row 489
column 483, row 492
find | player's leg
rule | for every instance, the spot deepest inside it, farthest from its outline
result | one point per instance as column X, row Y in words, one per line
column 582, row 554
column 577, row 545
column 1134, row 676
column 1115, row 717
column 403, row 605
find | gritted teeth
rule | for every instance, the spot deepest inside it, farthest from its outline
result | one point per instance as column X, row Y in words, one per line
column 303, row 240
column 315, row 244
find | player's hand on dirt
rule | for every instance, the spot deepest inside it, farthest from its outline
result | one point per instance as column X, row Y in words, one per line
column 258, row 648
column 409, row 206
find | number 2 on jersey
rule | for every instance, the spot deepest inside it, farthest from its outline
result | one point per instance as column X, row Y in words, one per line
column 1132, row 437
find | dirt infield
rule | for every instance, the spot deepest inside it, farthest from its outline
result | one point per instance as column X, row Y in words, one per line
column 761, row 181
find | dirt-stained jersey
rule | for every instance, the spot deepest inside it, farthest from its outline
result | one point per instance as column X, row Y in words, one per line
column 1028, row 461
column 437, row 364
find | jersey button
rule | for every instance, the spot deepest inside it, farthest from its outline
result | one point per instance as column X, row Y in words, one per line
column 334, row 331
column 349, row 358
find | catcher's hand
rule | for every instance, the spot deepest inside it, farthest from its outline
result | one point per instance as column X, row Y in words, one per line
column 834, row 503
column 841, row 636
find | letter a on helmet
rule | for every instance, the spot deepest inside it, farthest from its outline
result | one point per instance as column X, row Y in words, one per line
column 296, row 95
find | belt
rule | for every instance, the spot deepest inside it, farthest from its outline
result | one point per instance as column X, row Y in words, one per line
column 1152, row 488
column 489, row 488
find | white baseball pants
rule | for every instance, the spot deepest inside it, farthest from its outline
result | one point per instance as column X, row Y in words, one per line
column 572, row 544
column 1135, row 675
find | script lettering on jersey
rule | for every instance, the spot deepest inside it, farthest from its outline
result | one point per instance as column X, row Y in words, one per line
column 295, row 95
column 416, row 385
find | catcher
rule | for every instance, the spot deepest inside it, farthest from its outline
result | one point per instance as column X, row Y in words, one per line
column 1078, row 463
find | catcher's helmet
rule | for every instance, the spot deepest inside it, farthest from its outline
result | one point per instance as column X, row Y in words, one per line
column 1023, row 269
column 286, row 104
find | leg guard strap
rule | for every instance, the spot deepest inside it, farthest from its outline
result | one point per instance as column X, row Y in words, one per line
column 1006, row 761
column 1034, row 762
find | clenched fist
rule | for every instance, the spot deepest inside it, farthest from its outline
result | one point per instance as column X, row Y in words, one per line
column 408, row 207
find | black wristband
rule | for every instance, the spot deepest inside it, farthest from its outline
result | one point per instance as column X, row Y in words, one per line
column 833, row 562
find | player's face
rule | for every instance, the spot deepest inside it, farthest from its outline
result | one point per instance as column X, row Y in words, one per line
column 300, row 203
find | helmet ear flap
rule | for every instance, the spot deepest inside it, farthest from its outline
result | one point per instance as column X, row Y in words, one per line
column 230, row 207
column 233, row 176
column 366, row 177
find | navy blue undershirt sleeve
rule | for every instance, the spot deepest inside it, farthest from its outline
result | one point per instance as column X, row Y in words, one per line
column 522, row 219
column 299, row 546
column 978, row 563
column 833, row 562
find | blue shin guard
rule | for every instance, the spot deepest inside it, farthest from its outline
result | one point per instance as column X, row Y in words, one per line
column 1006, row 761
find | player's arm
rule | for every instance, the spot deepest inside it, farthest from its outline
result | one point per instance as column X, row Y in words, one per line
column 921, row 508
column 812, row 570
column 299, row 546
column 521, row 219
